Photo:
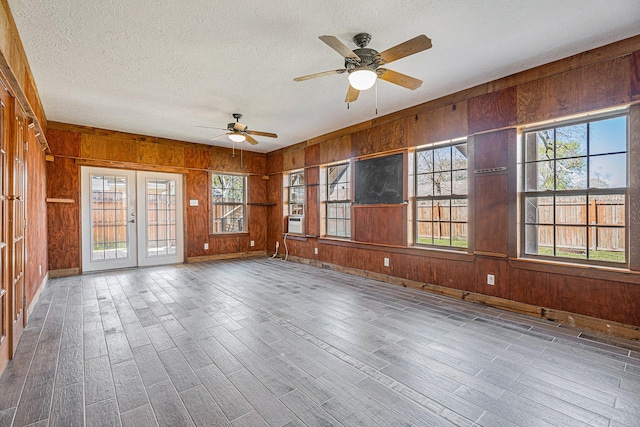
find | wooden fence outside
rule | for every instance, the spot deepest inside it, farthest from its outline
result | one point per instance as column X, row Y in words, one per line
column 435, row 221
column 602, row 221
column 110, row 220
column 605, row 230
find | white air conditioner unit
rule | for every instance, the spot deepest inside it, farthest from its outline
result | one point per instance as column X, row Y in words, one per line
column 295, row 224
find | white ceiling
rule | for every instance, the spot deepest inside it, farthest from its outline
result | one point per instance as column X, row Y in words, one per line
column 163, row 67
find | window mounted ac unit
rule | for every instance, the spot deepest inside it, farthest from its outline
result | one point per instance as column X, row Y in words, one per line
column 295, row 224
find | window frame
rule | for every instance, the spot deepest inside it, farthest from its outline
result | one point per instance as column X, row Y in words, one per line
column 587, row 192
column 442, row 197
column 213, row 204
column 345, row 202
column 290, row 188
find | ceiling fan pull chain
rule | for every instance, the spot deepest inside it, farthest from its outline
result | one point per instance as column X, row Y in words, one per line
column 348, row 105
column 376, row 97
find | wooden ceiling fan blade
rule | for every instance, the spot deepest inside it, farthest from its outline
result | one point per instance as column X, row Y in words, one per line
column 415, row 45
column 219, row 136
column 259, row 133
column 210, row 127
column 400, row 79
column 335, row 44
column 250, row 140
column 321, row 74
column 352, row 94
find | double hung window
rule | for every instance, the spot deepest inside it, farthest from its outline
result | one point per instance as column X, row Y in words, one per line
column 441, row 196
column 574, row 198
column 338, row 200
column 228, row 199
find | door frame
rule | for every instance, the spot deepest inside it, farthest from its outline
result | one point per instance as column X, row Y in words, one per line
column 143, row 259
column 87, row 230
column 17, row 211
column 6, row 310
column 136, row 197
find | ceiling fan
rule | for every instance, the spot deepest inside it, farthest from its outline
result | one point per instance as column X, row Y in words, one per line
column 364, row 64
column 239, row 132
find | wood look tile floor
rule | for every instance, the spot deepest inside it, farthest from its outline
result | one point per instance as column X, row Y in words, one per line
column 265, row 342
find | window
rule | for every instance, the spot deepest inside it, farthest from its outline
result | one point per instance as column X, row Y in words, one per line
column 441, row 196
column 338, row 200
column 575, row 190
column 228, row 203
column 296, row 193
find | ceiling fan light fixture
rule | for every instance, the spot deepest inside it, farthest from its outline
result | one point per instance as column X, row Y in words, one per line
column 236, row 137
column 362, row 78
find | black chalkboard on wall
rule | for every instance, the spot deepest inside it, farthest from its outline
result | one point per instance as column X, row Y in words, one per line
column 379, row 180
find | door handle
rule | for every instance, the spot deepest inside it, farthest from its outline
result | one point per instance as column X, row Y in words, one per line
column 132, row 221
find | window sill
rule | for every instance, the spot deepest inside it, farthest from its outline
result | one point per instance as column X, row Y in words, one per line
column 579, row 270
column 406, row 250
column 222, row 235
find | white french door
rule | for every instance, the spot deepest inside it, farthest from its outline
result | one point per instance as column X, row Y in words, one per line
column 160, row 225
column 130, row 218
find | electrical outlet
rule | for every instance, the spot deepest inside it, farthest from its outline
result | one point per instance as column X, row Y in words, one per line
column 386, row 262
column 315, row 251
column 491, row 279
column 253, row 243
column 206, row 246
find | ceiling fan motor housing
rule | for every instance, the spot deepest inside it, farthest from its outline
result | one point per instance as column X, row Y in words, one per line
column 236, row 127
column 369, row 58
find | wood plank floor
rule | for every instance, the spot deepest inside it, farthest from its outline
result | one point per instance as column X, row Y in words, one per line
column 265, row 342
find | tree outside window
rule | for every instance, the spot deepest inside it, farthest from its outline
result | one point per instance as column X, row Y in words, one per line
column 575, row 186
column 338, row 200
column 441, row 196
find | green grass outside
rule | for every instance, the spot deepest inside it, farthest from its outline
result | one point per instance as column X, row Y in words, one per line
column 457, row 242
column 596, row 255
column 607, row 256
column 108, row 246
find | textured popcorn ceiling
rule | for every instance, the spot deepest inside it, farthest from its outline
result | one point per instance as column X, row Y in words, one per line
column 162, row 67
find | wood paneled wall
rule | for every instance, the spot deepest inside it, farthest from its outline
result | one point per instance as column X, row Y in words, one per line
column 63, row 183
column 312, row 188
column 490, row 116
column 36, row 256
column 16, row 76
column 76, row 146
column 382, row 224
column 494, row 192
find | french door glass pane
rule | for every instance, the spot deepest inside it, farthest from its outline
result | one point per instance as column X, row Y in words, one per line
column 161, row 217
column 109, row 217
